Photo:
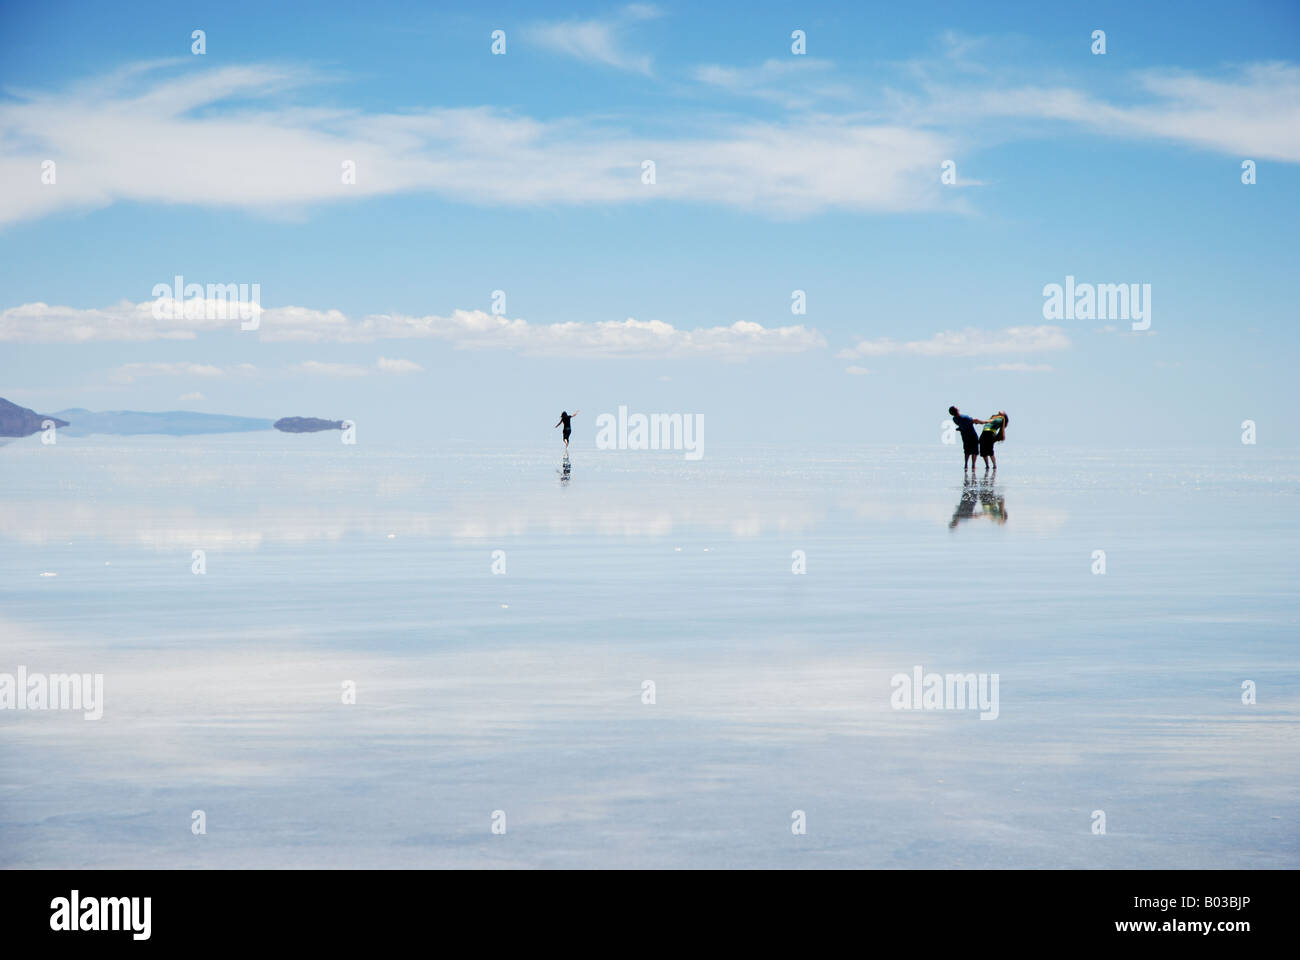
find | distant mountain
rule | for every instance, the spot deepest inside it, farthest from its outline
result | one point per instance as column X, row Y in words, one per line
column 173, row 423
column 16, row 421
column 306, row 424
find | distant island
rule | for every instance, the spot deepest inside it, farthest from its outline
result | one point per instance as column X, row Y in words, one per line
column 16, row 421
column 172, row 423
column 306, row 424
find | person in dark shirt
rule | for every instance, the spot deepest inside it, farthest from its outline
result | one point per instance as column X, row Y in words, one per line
column 564, row 419
column 970, row 440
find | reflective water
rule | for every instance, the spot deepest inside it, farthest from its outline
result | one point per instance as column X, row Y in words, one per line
column 523, row 690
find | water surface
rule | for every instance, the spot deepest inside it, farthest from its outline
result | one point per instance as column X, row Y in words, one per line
column 522, row 691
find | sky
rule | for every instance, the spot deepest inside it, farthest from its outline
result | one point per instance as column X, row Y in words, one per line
column 455, row 244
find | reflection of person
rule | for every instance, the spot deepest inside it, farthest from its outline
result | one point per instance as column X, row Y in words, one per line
column 564, row 419
column 970, row 443
column 966, row 505
column 992, row 504
column 995, row 431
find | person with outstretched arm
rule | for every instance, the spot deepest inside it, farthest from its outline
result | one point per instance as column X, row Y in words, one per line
column 564, row 419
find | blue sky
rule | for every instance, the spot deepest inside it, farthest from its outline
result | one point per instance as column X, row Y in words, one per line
column 775, row 172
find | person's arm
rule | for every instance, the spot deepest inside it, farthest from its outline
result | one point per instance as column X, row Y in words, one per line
column 557, row 424
column 574, row 414
column 973, row 420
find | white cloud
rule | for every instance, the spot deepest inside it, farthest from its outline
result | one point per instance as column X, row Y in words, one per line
column 795, row 82
column 1252, row 113
column 320, row 368
column 130, row 372
column 185, row 397
column 397, row 365
column 382, row 365
column 597, row 41
column 967, row 343
column 1019, row 367
column 146, row 134
column 171, row 144
column 857, row 371
column 465, row 329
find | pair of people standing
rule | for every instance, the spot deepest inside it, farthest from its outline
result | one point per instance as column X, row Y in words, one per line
column 981, row 444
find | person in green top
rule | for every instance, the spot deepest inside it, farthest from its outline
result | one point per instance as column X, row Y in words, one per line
column 995, row 429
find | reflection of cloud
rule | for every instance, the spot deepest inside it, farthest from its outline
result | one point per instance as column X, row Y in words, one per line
column 252, row 714
column 159, row 527
column 1029, row 518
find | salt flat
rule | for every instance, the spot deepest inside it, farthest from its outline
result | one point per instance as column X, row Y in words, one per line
column 524, row 691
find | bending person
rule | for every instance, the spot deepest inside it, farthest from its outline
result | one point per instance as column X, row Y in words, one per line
column 995, row 430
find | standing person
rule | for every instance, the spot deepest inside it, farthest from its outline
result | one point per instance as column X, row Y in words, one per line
column 995, row 429
column 564, row 419
column 969, row 440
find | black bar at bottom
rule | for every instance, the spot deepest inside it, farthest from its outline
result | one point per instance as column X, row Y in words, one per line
column 974, row 910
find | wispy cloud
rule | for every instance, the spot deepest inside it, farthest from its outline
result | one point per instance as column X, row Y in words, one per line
column 465, row 329
column 1252, row 111
column 382, row 365
column 130, row 372
column 796, row 82
column 970, row 342
column 476, row 155
column 600, row 41
column 397, row 365
column 1019, row 367
column 148, row 135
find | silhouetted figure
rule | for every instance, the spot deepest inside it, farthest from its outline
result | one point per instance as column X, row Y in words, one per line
column 970, row 441
column 564, row 419
column 995, row 431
